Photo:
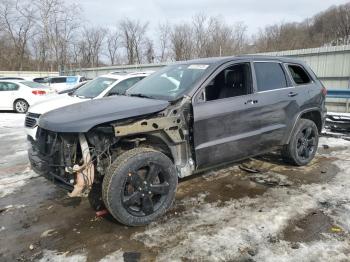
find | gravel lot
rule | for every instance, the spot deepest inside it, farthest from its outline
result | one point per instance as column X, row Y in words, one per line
column 279, row 213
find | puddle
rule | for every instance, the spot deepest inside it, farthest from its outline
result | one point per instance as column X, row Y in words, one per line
column 309, row 228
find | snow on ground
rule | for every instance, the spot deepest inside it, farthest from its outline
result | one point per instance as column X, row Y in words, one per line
column 227, row 231
column 11, row 120
column 116, row 256
column 13, row 181
column 53, row 256
column 14, row 168
column 233, row 230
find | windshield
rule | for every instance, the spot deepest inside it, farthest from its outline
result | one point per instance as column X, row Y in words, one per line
column 169, row 83
column 94, row 87
column 33, row 84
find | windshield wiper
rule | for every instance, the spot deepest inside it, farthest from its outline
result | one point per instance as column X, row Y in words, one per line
column 141, row 95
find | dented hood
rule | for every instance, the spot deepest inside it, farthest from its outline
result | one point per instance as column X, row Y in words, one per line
column 83, row 116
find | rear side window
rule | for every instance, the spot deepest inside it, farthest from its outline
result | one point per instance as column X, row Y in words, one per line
column 299, row 75
column 58, row 80
column 269, row 76
column 33, row 84
column 7, row 86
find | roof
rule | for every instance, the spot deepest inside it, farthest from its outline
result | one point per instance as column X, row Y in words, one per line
column 221, row 60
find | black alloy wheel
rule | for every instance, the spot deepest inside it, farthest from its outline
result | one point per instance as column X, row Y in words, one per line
column 145, row 190
column 140, row 186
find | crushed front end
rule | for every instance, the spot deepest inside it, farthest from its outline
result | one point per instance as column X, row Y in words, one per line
column 71, row 160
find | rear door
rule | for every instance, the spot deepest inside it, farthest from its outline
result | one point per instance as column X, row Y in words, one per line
column 226, row 116
column 278, row 102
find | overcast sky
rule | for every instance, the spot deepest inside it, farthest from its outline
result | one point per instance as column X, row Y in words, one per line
column 254, row 13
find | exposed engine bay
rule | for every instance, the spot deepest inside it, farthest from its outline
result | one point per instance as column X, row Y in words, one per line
column 76, row 161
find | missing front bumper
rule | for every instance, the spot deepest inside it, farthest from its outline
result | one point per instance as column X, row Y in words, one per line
column 41, row 166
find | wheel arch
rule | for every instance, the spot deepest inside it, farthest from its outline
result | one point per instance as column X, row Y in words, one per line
column 17, row 99
column 156, row 141
column 313, row 114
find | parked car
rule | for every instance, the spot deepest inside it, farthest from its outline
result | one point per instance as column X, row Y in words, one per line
column 60, row 83
column 106, row 85
column 26, row 78
column 19, row 95
column 185, row 118
column 70, row 90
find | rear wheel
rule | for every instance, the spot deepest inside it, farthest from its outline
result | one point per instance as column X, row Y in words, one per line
column 21, row 106
column 140, row 186
column 303, row 144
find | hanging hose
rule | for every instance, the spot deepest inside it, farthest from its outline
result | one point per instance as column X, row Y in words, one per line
column 84, row 173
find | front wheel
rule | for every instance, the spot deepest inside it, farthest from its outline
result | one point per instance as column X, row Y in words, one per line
column 21, row 106
column 303, row 144
column 140, row 186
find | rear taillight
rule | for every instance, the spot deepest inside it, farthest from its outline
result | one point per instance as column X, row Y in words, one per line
column 324, row 91
column 39, row 92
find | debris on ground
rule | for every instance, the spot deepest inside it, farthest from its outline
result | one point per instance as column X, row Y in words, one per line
column 244, row 167
column 102, row 213
column 336, row 229
column 48, row 233
column 270, row 179
column 267, row 178
column 338, row 122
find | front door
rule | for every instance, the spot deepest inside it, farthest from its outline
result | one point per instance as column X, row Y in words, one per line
column 226, row 117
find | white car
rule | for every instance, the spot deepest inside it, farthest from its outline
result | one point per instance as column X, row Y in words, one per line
column 24, row 78
column 61, row 83
column 106, row 85
column 19, row 95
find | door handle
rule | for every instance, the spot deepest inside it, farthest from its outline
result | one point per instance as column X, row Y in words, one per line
column 291, row 94
column 252, row 102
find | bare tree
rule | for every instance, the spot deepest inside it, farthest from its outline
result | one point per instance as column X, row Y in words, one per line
column 200, row 34
column 91, row 45
column 58, row 22
column 207, row 37
column 49, row 34
column 226, row 39
column 181, row 42
column 164, row 31
column 149, row 51
column 133, row 39
column 113, row 44
column 17, row 20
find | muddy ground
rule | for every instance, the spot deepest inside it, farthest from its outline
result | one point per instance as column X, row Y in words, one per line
column 257, row 210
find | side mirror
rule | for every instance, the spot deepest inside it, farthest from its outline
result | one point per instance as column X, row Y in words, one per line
column 201, row 97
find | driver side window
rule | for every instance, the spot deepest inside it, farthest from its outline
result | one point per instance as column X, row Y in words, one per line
column 235, row 80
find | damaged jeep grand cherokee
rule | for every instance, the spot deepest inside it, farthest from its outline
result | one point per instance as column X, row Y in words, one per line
column 185, row 118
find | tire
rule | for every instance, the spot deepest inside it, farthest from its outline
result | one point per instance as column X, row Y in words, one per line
column 303, row 144
column 140, row 186
column 21, row 106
